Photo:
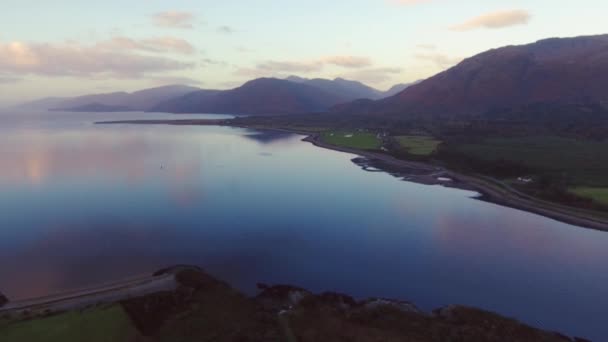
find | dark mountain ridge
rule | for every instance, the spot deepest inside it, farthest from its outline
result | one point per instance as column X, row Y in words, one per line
column 551, row 71
column 263, row 96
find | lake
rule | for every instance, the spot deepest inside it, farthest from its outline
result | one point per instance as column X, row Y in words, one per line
column 82, row 204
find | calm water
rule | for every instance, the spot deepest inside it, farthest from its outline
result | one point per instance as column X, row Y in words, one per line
column 82, row 204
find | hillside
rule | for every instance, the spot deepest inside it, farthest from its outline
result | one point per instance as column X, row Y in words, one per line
column 347, row 90
column 264, row 96
column 552, row 71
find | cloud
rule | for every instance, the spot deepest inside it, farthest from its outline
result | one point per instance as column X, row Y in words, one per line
column 216, row 62
column 164, row 80
column 159, row 45
column 348, row 61
column 79, row 60
column 290, row 66
column 226, row 29
column 174, row 19
column 373, row 75
column 494, row 20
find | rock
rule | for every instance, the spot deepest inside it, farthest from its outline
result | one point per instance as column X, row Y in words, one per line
column 400, row 305
column 3, row 299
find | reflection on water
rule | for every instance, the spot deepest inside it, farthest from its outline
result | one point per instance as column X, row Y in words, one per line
column 83, row 204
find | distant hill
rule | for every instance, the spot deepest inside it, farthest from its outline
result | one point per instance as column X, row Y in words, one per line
column 345, row 89
column 551, row 71
column 397, row 88
column 98, row 108
column 264, row 96
column 137, row 101
column 108, row 99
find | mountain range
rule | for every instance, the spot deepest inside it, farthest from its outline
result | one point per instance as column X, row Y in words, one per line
column 544, row 75
column 142, row 100
column 263, row 96
column 550, row 72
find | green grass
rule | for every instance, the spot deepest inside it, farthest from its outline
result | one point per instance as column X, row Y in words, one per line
column 95, row 325
column 418, row 145
column 581, row 162
column 599, row 195
column 352, row 139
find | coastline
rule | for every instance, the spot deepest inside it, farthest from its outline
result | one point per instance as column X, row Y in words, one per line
column 188, row 296
column 490, row 190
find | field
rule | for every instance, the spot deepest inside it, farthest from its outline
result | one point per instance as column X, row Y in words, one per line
column 418, row 145
column 599, row 195
column 577, row 162
column 353, row 139
column 102, row 324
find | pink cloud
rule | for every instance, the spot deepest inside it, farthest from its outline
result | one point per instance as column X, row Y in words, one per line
column 159, row 44
column 494, row 20
column 76, row 59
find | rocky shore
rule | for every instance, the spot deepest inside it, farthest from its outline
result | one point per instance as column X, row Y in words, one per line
column 202, row 308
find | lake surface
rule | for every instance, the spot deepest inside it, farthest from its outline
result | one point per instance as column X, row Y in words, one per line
column 82, row 204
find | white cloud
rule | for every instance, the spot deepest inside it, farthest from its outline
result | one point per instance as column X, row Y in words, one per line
column 159, row 44
column 316, row 65
column 290, row 66
column 216, row 62
column 494, row 20
column 76, row 59
column 373, row 75
column 164, row 80
column 348, row 61
column 174, row 19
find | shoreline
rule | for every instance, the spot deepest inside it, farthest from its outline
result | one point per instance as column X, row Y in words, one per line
column 507, row 197
column 490, row 190
column 187, row 295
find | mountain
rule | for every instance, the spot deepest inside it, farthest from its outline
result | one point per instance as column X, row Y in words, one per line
column 397, row 88
column 551, row 71
column 137, row 101
column 345, row 89
column 263, row 96
column 98, row 108
column 109, row 99
column 42, row 104
column 150, row 98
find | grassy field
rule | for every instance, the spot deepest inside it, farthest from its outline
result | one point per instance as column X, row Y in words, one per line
column 599, row 195
column 583, row 163
column 354, row 139
column 95, row 325
column 418, row 145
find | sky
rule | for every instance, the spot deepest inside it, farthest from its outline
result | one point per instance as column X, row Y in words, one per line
column 75, row 47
